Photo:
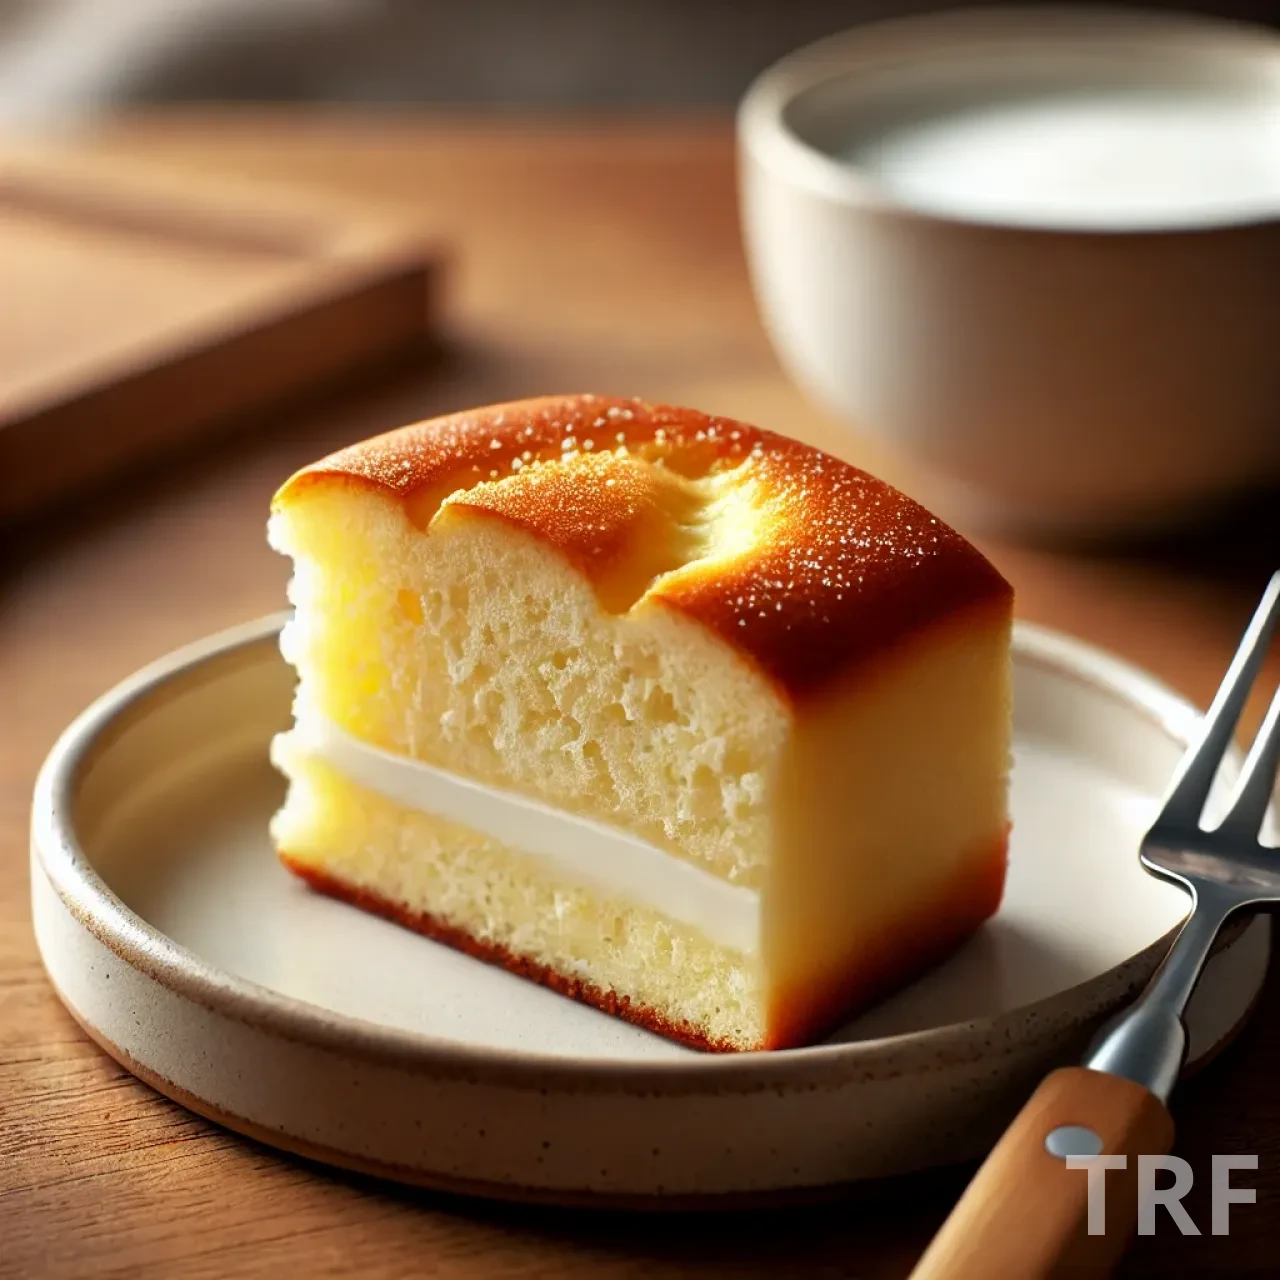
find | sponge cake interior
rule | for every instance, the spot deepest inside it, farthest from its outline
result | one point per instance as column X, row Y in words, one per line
column 760, row 662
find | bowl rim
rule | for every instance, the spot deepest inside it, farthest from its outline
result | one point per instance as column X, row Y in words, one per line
column 767, row 138
column 58, row 855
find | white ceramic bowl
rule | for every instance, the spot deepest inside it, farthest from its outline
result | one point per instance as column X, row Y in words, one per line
column 1067, row 374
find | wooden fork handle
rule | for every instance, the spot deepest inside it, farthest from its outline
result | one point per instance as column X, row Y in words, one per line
column 1025, row 1215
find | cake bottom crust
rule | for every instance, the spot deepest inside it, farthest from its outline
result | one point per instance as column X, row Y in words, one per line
column 497, row 954
column 800, row 1016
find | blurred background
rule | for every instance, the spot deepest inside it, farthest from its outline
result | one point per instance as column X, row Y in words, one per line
column 147, row 231
column 62, row 57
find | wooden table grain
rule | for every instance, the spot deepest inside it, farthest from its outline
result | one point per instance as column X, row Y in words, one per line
column 587, row 257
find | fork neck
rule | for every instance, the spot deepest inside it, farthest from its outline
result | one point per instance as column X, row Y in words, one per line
column 1148, row 1043
column 1175, row 979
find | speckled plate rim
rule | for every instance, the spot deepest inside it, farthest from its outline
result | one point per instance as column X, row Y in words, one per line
column 57, row 852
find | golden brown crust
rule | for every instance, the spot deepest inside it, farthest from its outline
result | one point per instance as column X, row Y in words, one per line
column 840, row 566
column 496, row 954
column 882, row 964
column 619, row 520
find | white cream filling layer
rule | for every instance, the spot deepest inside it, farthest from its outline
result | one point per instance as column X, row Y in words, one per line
column 576, row 848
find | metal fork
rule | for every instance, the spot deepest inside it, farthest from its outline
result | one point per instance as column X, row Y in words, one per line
column 1027, row 1211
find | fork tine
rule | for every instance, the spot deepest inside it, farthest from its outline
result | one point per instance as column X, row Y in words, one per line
column 1199, row 765
column 1257, row 782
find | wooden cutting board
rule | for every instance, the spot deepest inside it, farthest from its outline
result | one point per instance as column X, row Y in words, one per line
column 139, row 310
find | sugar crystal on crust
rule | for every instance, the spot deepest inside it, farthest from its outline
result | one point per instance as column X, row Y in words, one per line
column 834, row 566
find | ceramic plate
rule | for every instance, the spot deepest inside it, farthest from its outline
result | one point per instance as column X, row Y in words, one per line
column 192, row 957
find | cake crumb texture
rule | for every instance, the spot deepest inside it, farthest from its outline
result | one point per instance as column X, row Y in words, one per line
column 505, row 907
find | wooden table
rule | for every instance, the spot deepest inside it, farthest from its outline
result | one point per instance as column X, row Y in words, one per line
column 587, row 258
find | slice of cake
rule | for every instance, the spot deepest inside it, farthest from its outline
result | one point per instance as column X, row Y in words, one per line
column 681, row 718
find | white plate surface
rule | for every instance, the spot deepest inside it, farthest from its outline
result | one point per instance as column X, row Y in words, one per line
column 281, row 1012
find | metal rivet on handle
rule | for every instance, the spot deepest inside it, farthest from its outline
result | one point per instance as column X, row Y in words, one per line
column 1073, row 1140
